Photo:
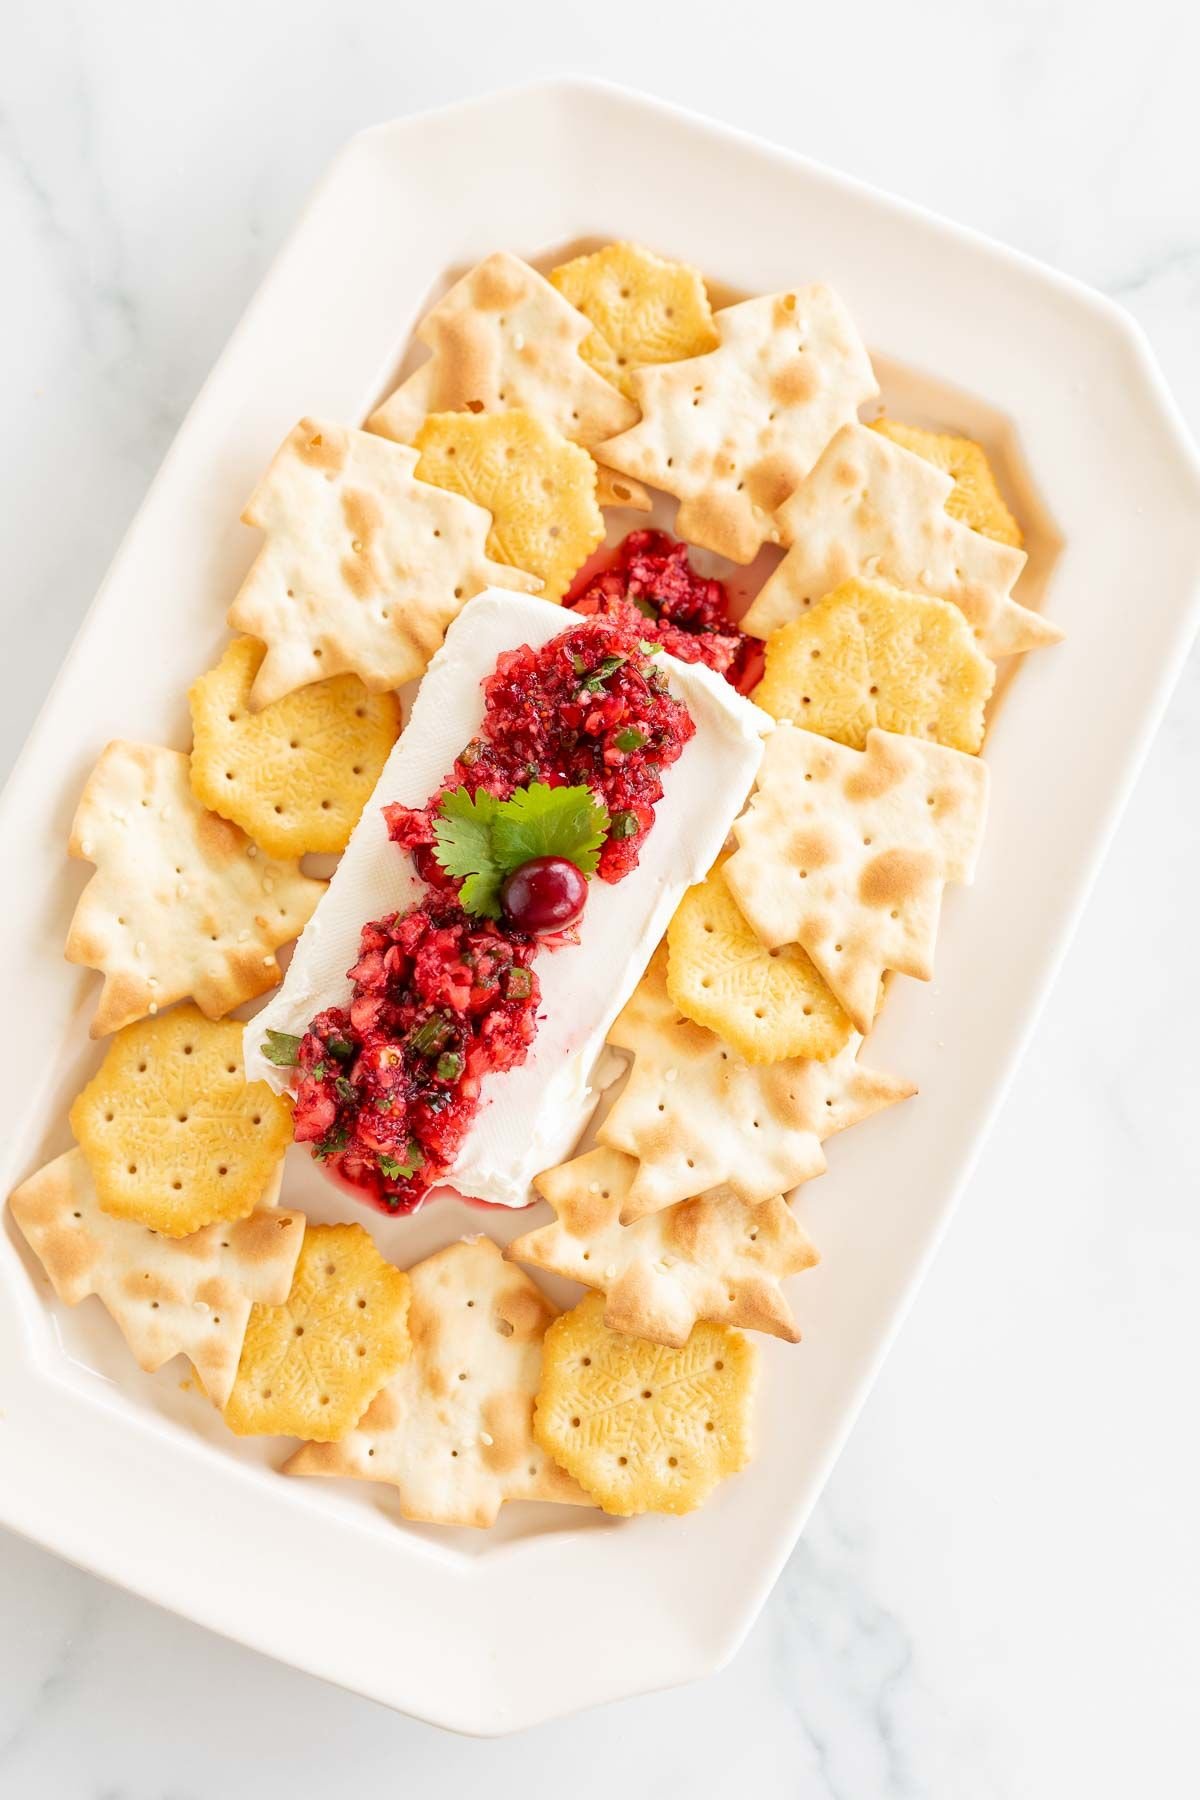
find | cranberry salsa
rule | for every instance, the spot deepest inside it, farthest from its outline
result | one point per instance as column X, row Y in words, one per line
column 651, row 585
column 561, row 781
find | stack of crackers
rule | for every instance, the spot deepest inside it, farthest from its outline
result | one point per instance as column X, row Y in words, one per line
column 542, row 401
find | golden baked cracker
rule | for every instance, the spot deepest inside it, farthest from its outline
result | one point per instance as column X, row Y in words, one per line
column 642, row 1427
column 714, row 1257
column 733, row 433
column 539, row 489
column 182, row 903
column 296, row 775
column 311, row 1365
column 644, row 309
column 503, row 336
column 169, row 1296
column 452, row 1431
column 697, row 1116
column 766, row 1004
column 869, row 654
column 618, row 490
column 871, row 509
column 175, row 1136
column 975, row 497
column 846, row 852
column 363, row 566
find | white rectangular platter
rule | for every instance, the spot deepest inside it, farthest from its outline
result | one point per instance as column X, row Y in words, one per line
column 133, row 1476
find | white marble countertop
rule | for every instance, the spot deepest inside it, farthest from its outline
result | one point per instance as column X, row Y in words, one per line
column 996, row 1597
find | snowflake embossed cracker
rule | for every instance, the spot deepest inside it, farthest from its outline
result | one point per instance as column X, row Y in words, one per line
column 715, row 1257
column 642, row 1427
column 874, row 510
column 697, row 1116
column 504, row 337
column 311, row 1364
column 733, row 433
column 363, row 566
column 975, row 497
column 539, row 488
column 182, row 903
column 452, row 1432
column 846, row 852
column 644, row 309
column 186, row 1296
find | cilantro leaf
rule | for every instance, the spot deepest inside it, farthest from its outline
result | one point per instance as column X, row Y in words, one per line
column 608, row 665
column 403, row 1171
column 332, row 1143
column 281, row 1048
column 550, row 821
column 463, row 847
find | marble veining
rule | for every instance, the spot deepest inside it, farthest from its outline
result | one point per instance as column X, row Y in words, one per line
column 995, row 1598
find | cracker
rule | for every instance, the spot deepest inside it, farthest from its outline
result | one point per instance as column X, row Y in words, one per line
column 697, row 1116
column 452, row 1432
column 182, row 903
column 642, row 1427
column 175, row 1136
column 766, row 1004
column 975, row 497
column 733, row 433
column 846, row 852
column 644, row 309
column 714, row 1257
column 503, row 336
column 311, row 1365
column 618, row 490
column 872, row 510
column 297, row 775
column 539, row 489
column 363, row 566
column 871, row 655
column 169, row 1296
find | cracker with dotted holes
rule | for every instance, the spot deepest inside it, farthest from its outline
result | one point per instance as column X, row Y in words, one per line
column 697, row 1116
column 847, row 852
column 872, row 510
column 296, row 775
column 644, row 309
column 452, row 1432
column 539, row 489
column 975, row 497
column 169, row 1296
column 311, row 1365
column 733, row 433
column 715, row 1257
column 643, row 1427
column 614, row 490
column 363, row 566
column 504, row 337
column 871, row 655
column 182, row 902
column 766, row 1004
column 175, row 1136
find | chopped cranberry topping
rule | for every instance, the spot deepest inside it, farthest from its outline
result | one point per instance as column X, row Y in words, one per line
column 387, row 1087
column 651, row 586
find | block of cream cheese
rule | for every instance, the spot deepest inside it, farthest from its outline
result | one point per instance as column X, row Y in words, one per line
column 530, row 1117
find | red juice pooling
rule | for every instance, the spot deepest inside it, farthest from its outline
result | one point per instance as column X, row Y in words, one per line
column 651, row 586
column 387, row 1087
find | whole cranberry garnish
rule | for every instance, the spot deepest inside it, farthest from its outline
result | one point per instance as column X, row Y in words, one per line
column 548, row 893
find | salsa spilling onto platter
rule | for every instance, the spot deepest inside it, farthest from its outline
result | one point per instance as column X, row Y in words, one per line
column 651, row 586
column 560, row 781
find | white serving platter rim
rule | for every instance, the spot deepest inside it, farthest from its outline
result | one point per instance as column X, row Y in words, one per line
column 476, row 1640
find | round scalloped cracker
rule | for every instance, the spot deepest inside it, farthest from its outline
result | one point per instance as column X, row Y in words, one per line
column 296, row 775
column 644, row 309
column 311, row 1367
column 642, row 1427
column 975, row 497
column 768, row 1004
column 539, row 489
column 175, row 1136
column 869, row 654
